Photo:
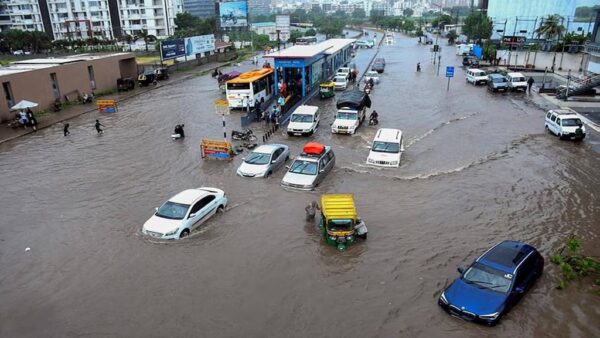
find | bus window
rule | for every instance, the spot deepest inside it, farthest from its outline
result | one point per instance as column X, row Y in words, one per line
column 234, row 86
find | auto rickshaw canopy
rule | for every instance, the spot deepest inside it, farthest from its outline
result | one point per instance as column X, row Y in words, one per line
column 329, row 84
column 338, row 206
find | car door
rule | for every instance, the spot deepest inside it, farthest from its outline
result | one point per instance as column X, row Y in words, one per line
column 552, row 124
column 277, row 159
column 557, row 126
column 316, row 121
column 194, row 214
column 205, row 208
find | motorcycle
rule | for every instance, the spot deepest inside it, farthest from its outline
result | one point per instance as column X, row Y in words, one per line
column 245, row 135
column 368, row 89
column 373, row 121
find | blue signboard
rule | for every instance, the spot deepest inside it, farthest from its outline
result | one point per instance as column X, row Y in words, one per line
column 172, row 49
column 289, row 63
column 449, row 71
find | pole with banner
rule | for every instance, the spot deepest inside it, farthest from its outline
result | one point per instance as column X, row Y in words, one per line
column 161, row 55
column 449, row 74
column 222, row 108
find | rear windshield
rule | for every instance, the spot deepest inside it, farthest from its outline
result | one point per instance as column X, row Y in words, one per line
column 340, row 225
column 234, row 86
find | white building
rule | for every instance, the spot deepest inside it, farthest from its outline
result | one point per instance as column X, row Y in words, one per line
column 80, row 19
column 156, row 16
column 21, row 14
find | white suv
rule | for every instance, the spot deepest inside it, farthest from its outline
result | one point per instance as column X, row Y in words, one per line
column 476, row 76
column 386, row 149
column 516, row 81
column 565, row 124
column 304, row 121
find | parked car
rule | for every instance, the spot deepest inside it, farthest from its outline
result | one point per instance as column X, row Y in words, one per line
column 494, row 283
column 304, row 120
column 264, row 160
column 378, row 65
column 516, row 81
column 184, row 212
column 470, row 61
column 309, row 168
column 565, row 124
column 476, row 76
column 364, row 44
column 386, row 148
column 343, row 70
column 497, row 82
column 371, row 75
column 340, row 82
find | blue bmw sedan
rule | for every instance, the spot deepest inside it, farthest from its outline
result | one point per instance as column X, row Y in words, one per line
column 495, row 282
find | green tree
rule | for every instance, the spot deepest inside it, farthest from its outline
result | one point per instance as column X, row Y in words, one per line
column 186, row 21
column 408, row 12
column 551, row 27
column 262, row 40
column 451, row 36
column 408, row 26
column 295, row 34
column 299, row 15
column 376, row 16
column 37, row 41
column 143, row 35
column 359, row 13
column 332, row 28
column 310, row 32
column 477, row 26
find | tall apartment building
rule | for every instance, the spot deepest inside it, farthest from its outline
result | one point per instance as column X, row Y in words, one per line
column 259, row 7
column 200, row 8
column 82, row 19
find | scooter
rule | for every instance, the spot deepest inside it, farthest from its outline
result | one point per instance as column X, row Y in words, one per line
column 368, row 89
column 373, row 121
column 245, row 135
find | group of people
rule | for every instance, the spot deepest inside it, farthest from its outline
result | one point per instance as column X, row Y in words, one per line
column 26, row 118
column 97, row 125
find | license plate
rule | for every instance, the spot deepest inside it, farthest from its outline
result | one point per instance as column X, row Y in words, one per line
column 298, row 134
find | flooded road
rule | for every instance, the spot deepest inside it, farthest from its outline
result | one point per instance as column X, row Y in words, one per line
column 478, row 168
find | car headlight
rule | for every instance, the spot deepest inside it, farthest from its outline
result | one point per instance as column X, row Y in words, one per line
column 490, row 316
column 443, row 298
column 370, row 160
column 333, row 238
column 394, row 162
column 172, row 232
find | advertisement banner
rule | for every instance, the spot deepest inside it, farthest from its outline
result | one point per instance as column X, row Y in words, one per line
column 282, row 24
column 513, row 40
column 233, row 14
column 199, row 44
column 172, row 49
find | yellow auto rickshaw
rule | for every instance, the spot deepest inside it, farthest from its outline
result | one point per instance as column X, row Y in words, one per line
column 339, row 221
column 327, row 90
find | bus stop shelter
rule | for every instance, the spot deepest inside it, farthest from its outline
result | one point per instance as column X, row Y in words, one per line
column 301, row 68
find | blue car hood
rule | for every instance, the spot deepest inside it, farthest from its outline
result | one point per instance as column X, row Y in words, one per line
column 470, row 297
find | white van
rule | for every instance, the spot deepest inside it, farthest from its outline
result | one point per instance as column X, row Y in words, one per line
column 516, row 81
column 565, row 124
column 386, row 148
column 476, row 76
column 304, row 120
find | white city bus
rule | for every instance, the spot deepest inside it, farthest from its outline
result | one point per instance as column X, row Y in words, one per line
column 255, row 85
column 307, row 40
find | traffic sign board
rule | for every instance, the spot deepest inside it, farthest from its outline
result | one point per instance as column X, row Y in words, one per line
column 449, row 71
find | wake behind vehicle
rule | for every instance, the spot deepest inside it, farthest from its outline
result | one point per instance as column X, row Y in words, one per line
column 184, row 212
column 340, row 223
column 304, row 121
column 494, row 283
column 386, row 148
column 352, row 107
column 310, row 168
column 565, row 124
column 264, row 160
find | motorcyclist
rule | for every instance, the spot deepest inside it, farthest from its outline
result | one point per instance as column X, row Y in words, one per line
column 179, row 130
column 374, row 118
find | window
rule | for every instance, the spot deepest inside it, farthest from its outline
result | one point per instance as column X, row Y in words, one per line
column 553, row 118
column 276, row 154
column 558, row 121
column 548, row 115
column 203, row 202
column 55, row 88
column 92, row 77
column 525, row 271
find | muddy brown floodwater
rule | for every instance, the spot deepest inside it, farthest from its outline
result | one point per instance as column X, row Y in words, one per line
column 478, row 168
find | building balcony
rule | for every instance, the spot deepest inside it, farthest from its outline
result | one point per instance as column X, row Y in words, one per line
column 592, row 48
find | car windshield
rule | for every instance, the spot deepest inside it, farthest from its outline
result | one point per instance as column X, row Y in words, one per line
column 571, row 122
column 371, row 74
column 487, row 278
column 518, row 79
column 385, row 147
column 172, row 210
column 304, row 167
column 339, row 79
column 499, row 79
column 257, row 158
column 301, row 118
column 340, row 224
column 345, row 116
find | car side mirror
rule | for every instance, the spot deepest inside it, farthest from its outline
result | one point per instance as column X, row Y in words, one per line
column 274, row 161
column 156, row 209
column 460, row 270
column 192, row 215
column 243, row 158
column 287, row 167
column 322, row 170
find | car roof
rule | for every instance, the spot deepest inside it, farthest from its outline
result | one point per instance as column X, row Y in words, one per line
column 496, row 75
column 267, row 148
column 388, row 134
column 506, row 256
column 189, row 196
column 306, row 109
column 564, row 112
column 475, row 70
column 515, row 75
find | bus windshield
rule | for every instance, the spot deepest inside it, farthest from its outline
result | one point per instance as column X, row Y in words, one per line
column 237, row 86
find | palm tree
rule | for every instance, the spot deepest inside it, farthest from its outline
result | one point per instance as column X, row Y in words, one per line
column 143, row 34
column 551, row 27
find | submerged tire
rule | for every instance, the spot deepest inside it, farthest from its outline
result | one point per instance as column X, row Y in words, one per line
column 184, row 233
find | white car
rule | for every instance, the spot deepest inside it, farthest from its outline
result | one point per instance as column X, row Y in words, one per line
column 304, row 121
column 184, row 212
column 340, row 82
column 372, row 75
column 343, row 70
column 264, row 160
column 386, row 149
column 516, row 81
column 476, row 76
column 565, row 123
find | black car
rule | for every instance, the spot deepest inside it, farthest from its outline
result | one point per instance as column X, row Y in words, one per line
column 378, row 65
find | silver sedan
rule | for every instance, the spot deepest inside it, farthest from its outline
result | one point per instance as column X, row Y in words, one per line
column 264, row 160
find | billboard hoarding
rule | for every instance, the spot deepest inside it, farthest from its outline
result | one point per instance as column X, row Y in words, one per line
column 282, row 24
column 233, row 14
column 513, row 40
column 172, row 49
column 199, row 44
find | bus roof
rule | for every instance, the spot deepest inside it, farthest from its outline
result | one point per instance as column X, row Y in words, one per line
column 252, row 75
column 338, row 206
